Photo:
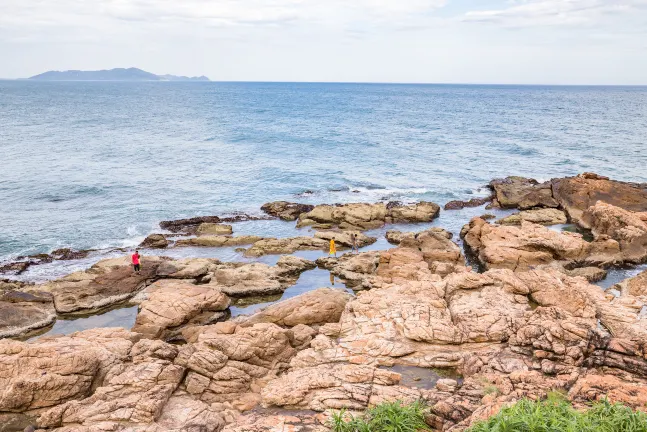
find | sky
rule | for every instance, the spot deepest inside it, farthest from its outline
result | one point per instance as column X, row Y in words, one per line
column 420, row 41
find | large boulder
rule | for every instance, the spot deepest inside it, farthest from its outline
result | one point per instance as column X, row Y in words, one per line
column 577, row 194
column 170, row 303
column 22, row 312
column 321, row 306
column 355, row 270
column 286, row 211
column 635, row 286
column 280, row 246
column 104, row 284
column 154, row 241
column 344, row 239
column 544, row 216
column 522, row 193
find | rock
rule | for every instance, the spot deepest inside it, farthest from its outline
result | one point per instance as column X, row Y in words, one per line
column 218, row 241
column 104, row 284
column 355, row 270
column 395, row 236
column 446, row 385
column 154, row 241
column 577, row 194
column 187, row 268
column 169, row 303
column 286, row 211
column 55, row 370
column 595, row 386
column 544, row 216
column 635, row 286
column 226, row 367
column 368, row 216
column 15, row 268
column 591, row 274
column 214, row 229
column 474, row 202
column 191, row 225
column 22, row 312
column 521, row 247
column 274, row 246
column 627, row 228
column 522, row 193
column 258, row 279
column 66, row 254
column 343, row 238
column 432, row 249
column 321, row 306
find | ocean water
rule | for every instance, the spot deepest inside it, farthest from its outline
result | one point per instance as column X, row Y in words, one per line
column 98, row 165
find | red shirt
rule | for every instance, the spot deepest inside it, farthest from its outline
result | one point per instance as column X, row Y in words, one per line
column 135, row 258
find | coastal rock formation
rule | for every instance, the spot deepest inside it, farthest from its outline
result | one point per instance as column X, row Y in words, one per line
column 344, row 240
column 106, row 283
column 635, row 286
column 474, row 202
column 258, row 279
column 355, row 270
column 155, row 241
column 321, row 306
column 214, row 229
column 520, row 247
column 286, row 211
column 522, row 193
column 190, row 225
column 22, row 312
column 170, row 303
column 362, row 217
column 576, row 194
column 280, row 246
column 187, row 268
column 219, row 241
column 544, row 216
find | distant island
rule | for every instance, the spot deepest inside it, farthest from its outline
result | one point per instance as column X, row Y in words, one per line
column 119, row 74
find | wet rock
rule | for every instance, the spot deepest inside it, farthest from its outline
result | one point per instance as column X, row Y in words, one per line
column 355, row 270
column 321, row 306
column 474, row 202
column 545, row 216
column 343, row 238
column 274, row 246
column 286, row 211
column 577, row 194
column 214, row 229
column 191, row 225
column 368, row 216
column 170, row 303
column 154, row 241
column 22, row 312
column 15, row 268
column 104, row 284
column 219, row 241
column 522, row 193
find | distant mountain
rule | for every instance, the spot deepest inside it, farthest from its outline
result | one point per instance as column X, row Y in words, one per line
column 119, row 74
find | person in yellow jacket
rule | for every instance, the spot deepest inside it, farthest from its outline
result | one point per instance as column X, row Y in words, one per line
column 333, row 248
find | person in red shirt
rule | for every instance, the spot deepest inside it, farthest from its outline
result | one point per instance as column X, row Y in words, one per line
column 135, row 259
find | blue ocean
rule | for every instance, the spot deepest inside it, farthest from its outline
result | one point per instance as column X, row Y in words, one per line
column 98, row 165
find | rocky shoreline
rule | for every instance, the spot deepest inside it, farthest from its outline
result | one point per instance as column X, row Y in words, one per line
column 505, row 310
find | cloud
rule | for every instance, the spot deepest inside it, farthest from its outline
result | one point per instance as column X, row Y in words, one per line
column 527, row 13
column 99, row 14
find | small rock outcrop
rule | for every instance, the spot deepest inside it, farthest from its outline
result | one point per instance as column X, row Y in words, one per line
column 544, row 216
column 286, row 211
column 522, row 193
column 22, row 312
column 155, row 241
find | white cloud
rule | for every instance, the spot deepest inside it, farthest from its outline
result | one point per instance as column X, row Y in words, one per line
column 558, row 12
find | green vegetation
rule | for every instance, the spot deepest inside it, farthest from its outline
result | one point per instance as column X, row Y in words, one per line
column 557, row 415
column 387, row 417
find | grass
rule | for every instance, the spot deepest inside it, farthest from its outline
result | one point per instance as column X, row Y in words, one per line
column 557, row 415
column 387, row 417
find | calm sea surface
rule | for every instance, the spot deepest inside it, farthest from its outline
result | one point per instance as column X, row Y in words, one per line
column 98, row 165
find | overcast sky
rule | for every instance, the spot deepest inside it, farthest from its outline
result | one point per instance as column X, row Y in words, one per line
column 438, row 41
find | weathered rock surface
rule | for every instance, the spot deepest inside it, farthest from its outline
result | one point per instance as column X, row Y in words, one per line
column 187, row 268
column 214, row 229
column 286, row 211
column 22, row 312
column 522, row 193
column 258, row 279
column 191, row 225
column 321, row 306
column 280, row 246
column 521, row 247
column 474, row 202
column 355, row 270
column 219, row 241
column 367, row 216
column 577, row 194
column 106, row 283
column 155, row 241
column 635, row 286
column 343, row 239
column 545, row 216
column 170, row 303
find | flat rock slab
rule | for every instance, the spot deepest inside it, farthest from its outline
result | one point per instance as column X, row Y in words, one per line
column 22, row 312
column 547, row 216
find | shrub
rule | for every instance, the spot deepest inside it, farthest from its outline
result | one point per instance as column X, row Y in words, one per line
column 557, row 415
column 387, row 417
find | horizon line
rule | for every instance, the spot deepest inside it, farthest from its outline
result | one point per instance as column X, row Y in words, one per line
column 339, row 82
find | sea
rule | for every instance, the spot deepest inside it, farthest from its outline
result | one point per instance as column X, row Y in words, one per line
column 97, row 165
